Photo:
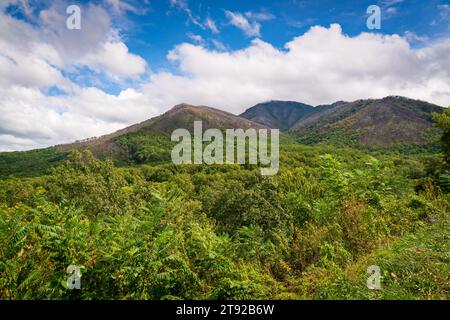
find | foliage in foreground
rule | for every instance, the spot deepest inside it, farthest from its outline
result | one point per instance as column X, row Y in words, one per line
column 225, row 232
column 416, row 267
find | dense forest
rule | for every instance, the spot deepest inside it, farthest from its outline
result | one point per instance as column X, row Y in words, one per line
column 155, row 230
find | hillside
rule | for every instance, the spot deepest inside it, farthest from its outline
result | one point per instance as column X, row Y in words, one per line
column 146, row 140
column 382, row 123
column 278, row 114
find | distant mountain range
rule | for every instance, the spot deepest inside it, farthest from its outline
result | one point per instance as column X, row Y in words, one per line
column 380, row 123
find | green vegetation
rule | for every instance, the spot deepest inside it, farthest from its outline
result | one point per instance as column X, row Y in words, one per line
column 160, row 231
column 144, row 148
column 443, row 122
column 339, row 136
column 416, row 267
column 29, row 163
column 225, row 232
column 392, row 123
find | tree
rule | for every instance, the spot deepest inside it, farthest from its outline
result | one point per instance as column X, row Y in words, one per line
column 443, row 121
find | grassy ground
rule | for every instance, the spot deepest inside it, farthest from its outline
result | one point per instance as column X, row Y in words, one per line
column 414, row 267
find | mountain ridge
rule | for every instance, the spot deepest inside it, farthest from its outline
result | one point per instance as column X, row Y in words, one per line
column 380, row 123
column 278, row 114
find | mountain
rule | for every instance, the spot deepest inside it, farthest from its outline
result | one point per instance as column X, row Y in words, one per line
column 278, row 114
column 180, row 116
column 385, row 123
column 382, row 122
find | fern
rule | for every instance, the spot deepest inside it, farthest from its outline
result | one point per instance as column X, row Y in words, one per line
column 444, row 181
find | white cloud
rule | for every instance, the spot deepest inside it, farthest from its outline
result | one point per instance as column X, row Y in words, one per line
column 196, row 38
column 97, row 45
column 211, row 25
column 412, row 37
column 321, row 66
column 248, row 22
column 24, row 59
column 183, row 5
column 35, row 55
column 388, row 3
column 116, row 60
column 219, row 45
column 259, row 16
column 207, row 24
column 29, row 119
column 32, row 60
column 444, row 10
column 250, row 28
column 391, row 10
column 121, row 7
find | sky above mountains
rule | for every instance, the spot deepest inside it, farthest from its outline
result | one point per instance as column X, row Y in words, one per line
column 132, row 60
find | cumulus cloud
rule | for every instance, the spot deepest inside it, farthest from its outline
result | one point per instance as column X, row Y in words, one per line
column 30, row 119
column 24, row 59
column 35, row 57
column 96, row 46
column 114, row 58
column 320, row 66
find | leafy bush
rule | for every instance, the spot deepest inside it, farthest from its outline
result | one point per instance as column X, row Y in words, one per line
column 159, row 231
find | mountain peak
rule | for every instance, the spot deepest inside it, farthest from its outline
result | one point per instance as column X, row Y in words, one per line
column 183, row 106
column 278, row 114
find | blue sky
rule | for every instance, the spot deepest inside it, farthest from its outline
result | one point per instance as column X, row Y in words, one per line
column 159, row 25
column 132, row 60
column 164, row 24
column 152, row 28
